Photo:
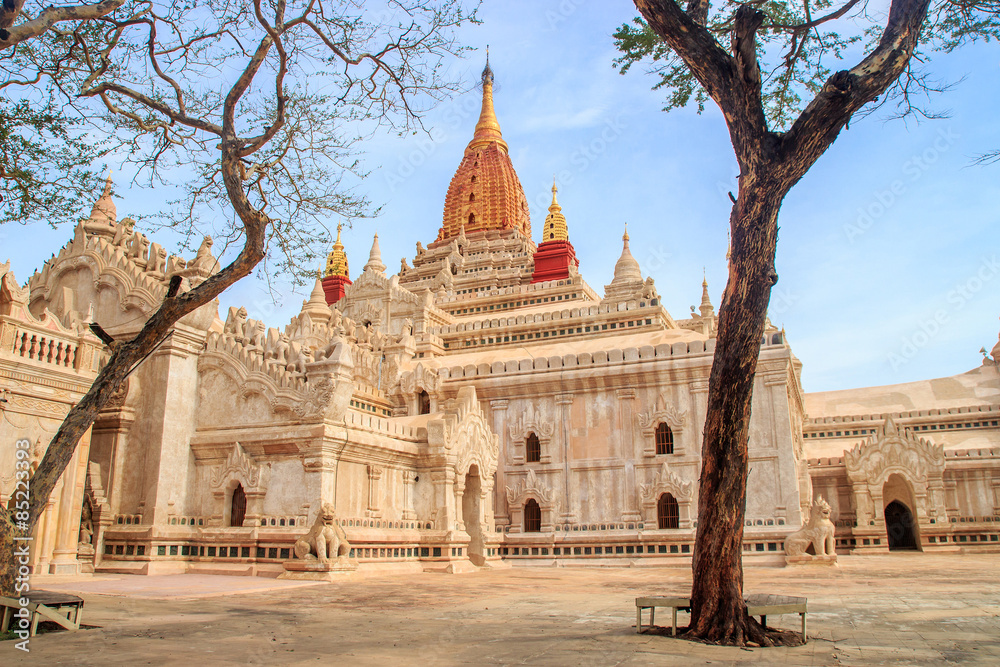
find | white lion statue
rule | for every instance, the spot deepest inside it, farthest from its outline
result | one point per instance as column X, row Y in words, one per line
column 326, row 540
column 818, row 532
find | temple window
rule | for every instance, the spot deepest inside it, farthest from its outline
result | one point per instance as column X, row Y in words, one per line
column 532, row 517
column 472, row 196
column 532, row 449
column 472, row 218
column 473, row 178
column 238, row 511
column 667, row 513
column 423, row 403
column 664, row 439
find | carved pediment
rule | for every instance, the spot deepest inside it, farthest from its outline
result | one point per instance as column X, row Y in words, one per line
column 420, row 378
column 664, row 412
column 531, row 421
column 242, row 467
column 666, row 481
column 529, row 487
column 889, row 449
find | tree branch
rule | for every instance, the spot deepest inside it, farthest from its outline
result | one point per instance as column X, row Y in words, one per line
column 49, row 17
column 847, row 91
column 710, row 64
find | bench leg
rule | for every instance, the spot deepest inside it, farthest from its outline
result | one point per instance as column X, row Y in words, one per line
column 673, row 621
column 34, row 624
column 652, row 615
column 638, row 620
column 8, row 612
column 763, row 621
column 804, row 636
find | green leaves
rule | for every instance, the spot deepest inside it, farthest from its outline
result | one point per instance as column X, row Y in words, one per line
column 46, row 161
column 799, row 48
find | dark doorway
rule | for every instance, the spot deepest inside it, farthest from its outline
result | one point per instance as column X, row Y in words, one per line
column 423, row 403
column 238, row 511
column 899, row 526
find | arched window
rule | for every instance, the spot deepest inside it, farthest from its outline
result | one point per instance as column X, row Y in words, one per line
column 473, row 178
column 472, row 196
column 664, row 439
column 667, row 514
column 532, row 449
column 552, row 236
column 423, row 403
column 532, row 517
column 472, row 219
column 238, row 512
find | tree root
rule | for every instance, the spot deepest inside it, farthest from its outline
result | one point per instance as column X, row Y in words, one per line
column 769, row 637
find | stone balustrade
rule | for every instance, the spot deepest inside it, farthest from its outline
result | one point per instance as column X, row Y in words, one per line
column 34, row 342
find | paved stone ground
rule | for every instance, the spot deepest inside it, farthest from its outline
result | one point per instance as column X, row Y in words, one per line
column 899, row 609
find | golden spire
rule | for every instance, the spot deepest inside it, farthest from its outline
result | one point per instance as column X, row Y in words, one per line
column 555, row 222
column 336, row 261
column 487, row 129
column 707, row 309
column 625, row 236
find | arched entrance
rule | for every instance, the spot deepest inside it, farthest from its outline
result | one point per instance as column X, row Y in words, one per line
column 472, row 515
column 899, row 526
column 900, row 507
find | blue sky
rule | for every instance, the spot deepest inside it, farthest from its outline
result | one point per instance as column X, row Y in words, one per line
column 888, row 248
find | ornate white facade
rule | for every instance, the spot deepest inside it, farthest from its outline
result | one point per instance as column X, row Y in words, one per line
column 457, row 414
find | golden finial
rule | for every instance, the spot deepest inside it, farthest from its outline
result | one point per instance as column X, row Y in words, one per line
column 555, row 221
column 336, row 261
column 625, row 235
column 488, row 128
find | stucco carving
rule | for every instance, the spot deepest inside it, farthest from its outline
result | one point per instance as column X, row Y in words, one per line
column 531, row 421
column 664, row 412
column 666, row 481
column 529, row 486
column 889, row 451
column 241, row 466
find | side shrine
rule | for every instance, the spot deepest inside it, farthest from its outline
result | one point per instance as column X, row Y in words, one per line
column 482, row 407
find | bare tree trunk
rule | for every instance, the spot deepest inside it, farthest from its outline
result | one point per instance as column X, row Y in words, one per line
column 770, row 165
column 718, row 612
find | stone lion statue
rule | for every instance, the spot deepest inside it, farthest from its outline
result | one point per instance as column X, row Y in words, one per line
column 326, row 540
column 818, row 531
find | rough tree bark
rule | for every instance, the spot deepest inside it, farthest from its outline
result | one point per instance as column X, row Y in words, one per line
column 770, row 164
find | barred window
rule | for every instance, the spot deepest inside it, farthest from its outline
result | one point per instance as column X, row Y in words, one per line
column 664, row 439
column 667, row 513
column 532, row 517
column 533, row 449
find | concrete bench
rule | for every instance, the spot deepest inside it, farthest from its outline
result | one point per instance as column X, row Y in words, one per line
column 757, row 605
column 60, row 608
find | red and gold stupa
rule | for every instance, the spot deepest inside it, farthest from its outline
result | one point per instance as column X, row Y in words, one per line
column 555, row 253
column 335, row 277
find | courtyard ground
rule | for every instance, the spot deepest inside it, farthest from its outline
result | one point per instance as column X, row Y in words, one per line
column 898, row 609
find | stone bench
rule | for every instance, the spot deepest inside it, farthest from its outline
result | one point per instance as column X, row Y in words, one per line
column 60, row 608
column 757, row 605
